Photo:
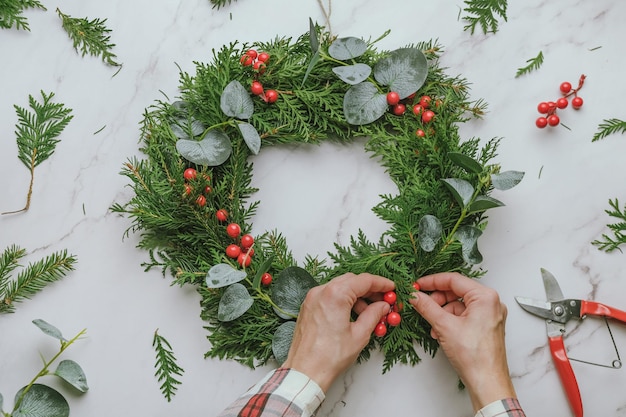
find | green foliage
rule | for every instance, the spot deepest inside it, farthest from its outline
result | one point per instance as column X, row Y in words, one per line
column 90, row 37
column 166, row 366
column 186, row 241
column 609, row 127
column 484, row 14
column 220, row 3
column 11, row 13
column 39, row 400
column 611, row 243
column 532, row 64
column 32, row 279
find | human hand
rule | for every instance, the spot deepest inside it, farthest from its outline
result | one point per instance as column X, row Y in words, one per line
column 326, row 341
column 468, row 320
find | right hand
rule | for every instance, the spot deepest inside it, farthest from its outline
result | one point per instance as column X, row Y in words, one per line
column 468, row 320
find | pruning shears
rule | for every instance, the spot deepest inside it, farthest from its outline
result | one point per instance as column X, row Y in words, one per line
column 557, row 311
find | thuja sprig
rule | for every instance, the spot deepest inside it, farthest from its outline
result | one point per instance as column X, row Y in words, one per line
column 39, row 400
column 532, row 64
column 484, row 14
column 11, row 13
column 166, row 366
column 220, row 3
column 37, row 132
column 90, row 37
column 32, row 279
column 611, row 243
column 609, row 127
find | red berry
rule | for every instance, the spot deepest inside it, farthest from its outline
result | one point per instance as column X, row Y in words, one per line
column 251, row 53
column 553, row 120
column 188, row 189
column 221, row 215
column 417, row 109
column 543, row 107
column 565, row 87
column 208, row 189
column 201, row 200
column 390, row 297
column 246, row 241
column 577, row 102
column 427, row 116
column 380, row 330
column 256, row 88
column 393, row 98
column 259, row 66
column 394, row 318
column 425, row 101
column 399, row 109
column 266, row 279
column 233, row 251
column 541, row 122
column 416, row 285
column 397, row 307
column 249, row 251
column 271, row 96
column 244, row 259
column 233, row 230
column 263, row 57
column 190, row 174
column 562, row 103
column 246, row 60
column 420, row 133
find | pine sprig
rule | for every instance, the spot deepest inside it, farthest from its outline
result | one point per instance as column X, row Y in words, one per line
column 32, row 279
column 609, row 127
column 484, row 14
column 90, row 37
column 11, row 13
column 37, row 132
column 611, row 243
column 533, row 64
column 166, row 366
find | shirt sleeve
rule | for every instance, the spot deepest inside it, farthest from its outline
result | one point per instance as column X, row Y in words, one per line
column 508, row 407
column 283, row 392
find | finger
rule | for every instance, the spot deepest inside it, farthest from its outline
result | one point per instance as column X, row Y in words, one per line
column 363, row 285
column 359, row 306
column 455, row 307
column 429, row 309
column 458, row 284
column 368, row 319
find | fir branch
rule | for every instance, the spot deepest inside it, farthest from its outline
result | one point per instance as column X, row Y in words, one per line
column 32, row 279
column 483, row 13
column 609, row 127
column 533, row 64
column 11, row 13
column 608, row 243
column 90, row 36
column 166, row 366
column 37, row 133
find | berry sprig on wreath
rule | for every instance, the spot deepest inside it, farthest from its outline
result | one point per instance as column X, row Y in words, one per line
column 327, row 88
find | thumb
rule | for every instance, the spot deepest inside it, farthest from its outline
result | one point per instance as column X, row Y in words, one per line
column 370, row 317
column 428, row 308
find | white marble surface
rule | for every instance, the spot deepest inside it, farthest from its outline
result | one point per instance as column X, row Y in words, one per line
column 549, row 221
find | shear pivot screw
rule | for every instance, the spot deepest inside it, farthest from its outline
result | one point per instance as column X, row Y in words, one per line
column 558, row 310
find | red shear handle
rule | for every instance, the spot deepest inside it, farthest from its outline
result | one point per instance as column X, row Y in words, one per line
column 597, row 309
column 566, row 373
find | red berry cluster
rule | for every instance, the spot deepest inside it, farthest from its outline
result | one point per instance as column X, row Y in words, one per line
column 190, row 176
column 421, row 109
column 549, row 108
column 258, row 62
column 242, row 251
column 393, row 318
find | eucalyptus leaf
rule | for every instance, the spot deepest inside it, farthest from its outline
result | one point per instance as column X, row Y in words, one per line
column 49, row 329
column 281, row 342
column 312, row 62
column 507, row 179
column 235, row 301
column 461, row 189
column 178, row 131
column 263, row 268
column 363, row 104
column 250, row 136
column 468, row 236
column 222, row 275
column 466, row 162
column 484, row 202
column 180, row 105
column 353, row 74
column 313, row 41
column 429, row 230
column 213, row 150
column 347, row 48
column 236, row 102
column 72, row 373
column 403, row 70
column 289, row 290
column 182, row 129
column 41, row 401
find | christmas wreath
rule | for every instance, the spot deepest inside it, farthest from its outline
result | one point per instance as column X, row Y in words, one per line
column 191, row 193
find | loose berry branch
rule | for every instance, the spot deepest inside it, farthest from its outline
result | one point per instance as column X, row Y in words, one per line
column 549, row 108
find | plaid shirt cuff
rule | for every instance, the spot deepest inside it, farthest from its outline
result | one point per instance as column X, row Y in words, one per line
column 508, row 407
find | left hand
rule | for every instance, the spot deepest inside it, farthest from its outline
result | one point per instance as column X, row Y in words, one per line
column 326, row 341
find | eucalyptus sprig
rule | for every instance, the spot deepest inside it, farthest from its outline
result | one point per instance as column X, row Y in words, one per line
column 484, row 14
column 39, row 400
column 532, row 64
column 11, row 13
column 37, row 132
column 166, row 366
column 32, row 279
column 90, row 37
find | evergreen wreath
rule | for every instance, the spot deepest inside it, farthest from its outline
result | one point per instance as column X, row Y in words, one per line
column 192, row 190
